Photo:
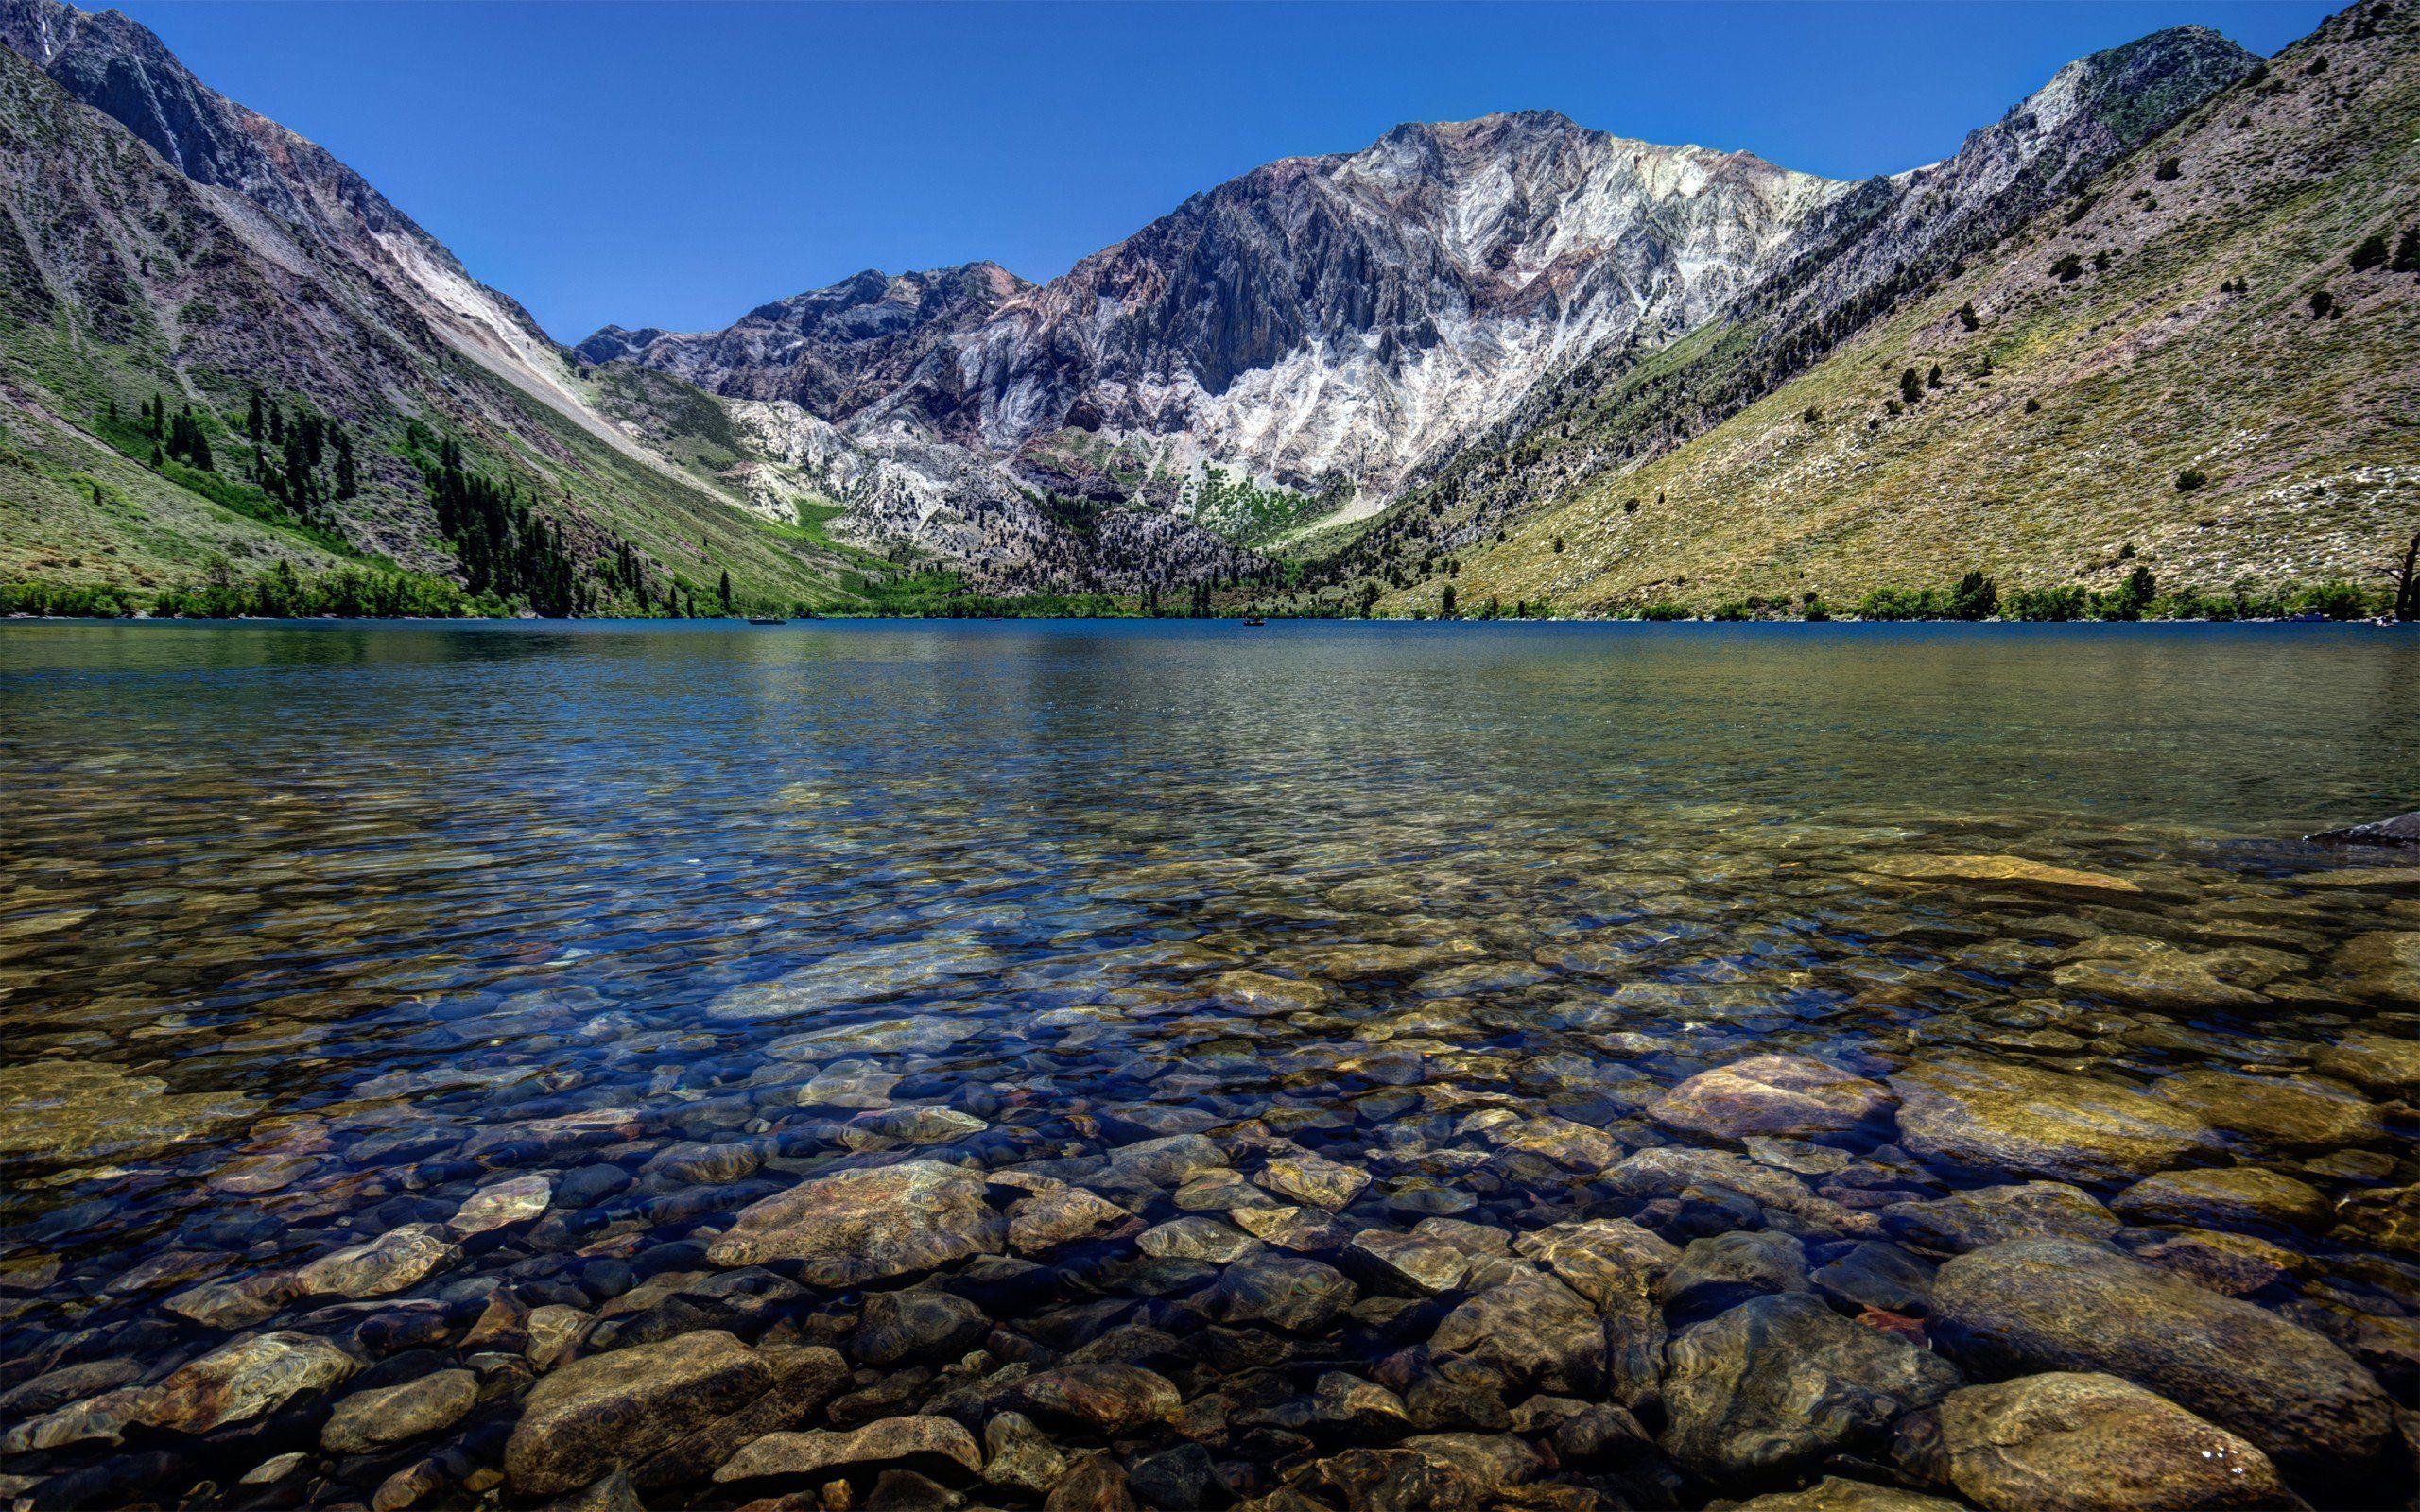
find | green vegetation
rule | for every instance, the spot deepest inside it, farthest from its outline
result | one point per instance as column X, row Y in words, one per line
column 279, row 592
column 1251, row 514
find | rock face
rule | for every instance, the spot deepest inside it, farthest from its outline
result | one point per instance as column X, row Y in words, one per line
column 1779, row 1383
column 1847, row 263
column 1787, row 1096
column 2055, row 1304
column 862, row 1226
column 2093, row 1443
column 1320, row 324
column 2023, row 1120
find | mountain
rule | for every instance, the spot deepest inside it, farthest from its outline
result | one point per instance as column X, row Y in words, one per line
column 158, row 239
column 2206, row 362
column 1852, row 261
column 1319, row 324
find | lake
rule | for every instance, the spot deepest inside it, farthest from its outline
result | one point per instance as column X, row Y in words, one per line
column 1238, row 1052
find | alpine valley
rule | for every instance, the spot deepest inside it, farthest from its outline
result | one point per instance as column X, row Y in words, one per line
column 2154, row 330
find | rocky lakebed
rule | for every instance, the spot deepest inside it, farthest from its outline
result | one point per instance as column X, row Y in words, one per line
column 710, row 1135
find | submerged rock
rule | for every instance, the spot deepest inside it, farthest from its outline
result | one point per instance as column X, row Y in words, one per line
column 2276, row 1112
column 2021, row 1119
column 244, row 1379
column 1786, row 1096
column 2055, row 1304
column 618, row 1409
column 392, row 1263
column 1834, row 1494
column 862, row 1226
column 2238, row 1198
column 395, row 1415
column 2014, row 872
column 818, row 1451
column 1993, row 1215
column 1778, row 1383
column 2067, row 1442
column 1048, row 1219
column 2403, row 829
column 91, row 1111
column 1532, row 1328
column 1110, row 1398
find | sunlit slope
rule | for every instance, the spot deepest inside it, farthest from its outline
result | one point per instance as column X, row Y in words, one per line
column 2174, row 393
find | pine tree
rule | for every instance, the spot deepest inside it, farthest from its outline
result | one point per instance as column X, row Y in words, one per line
column 254, row 419
column 723, row 590
column 348, row 481
column 2371, row 253
column 2407, row 252
column 1911, row 387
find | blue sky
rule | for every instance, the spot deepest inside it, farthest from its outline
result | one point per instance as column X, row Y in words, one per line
column 677, row 165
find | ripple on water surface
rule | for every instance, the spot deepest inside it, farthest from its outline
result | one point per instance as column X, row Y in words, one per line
column 1381, row 1065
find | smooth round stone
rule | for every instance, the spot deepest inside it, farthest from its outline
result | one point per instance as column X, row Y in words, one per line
column 1835, row 1494
column 244, row 1379
column 1049, row 1219
column 617, row 1409
column 1314, row 1179
column 1109, row 1398
column 2066, row 1442
column 1781, row 1382
column 1020, row 1458
column 2054, row 1304
column 1783, row 1097
column 1196, row 1238
column 1530, row 1326
column 2024, row 1120
column 503, row 1204
column 1723, row 1270
column 2012, row 871
column 2383, row 965
column 916, row 1325
column 862, row 1225
column 1993, row 1215
column 2235, row 1264
column 395, row 1415
column 2276, row 1112
column 2386, row 1065
column 696, row 1163
column 1281, row 1291
column 392, row 1263
column 820, row 1452
column 2239, row 1197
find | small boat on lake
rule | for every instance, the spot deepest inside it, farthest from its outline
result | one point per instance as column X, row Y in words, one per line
column 766, row 619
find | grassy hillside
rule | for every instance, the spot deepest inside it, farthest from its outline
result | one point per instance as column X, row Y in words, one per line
column 2140, row 377
column 123, row 283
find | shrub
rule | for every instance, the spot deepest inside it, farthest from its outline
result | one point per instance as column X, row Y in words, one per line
column 2032, row 406
column 2047, row 604
column 2407, row 252
column 2168, row 170
column 2371, row 253
column 1663, row 609
column 2323, row 304
column 2191, row 478
column 1911, row 387
column 2067, row 268
column 1976, row 597
column 1966, row 316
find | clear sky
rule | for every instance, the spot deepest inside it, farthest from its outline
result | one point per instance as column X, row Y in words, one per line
column 678, row 165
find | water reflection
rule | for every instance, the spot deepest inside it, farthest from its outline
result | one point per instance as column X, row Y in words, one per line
column 310, row 933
